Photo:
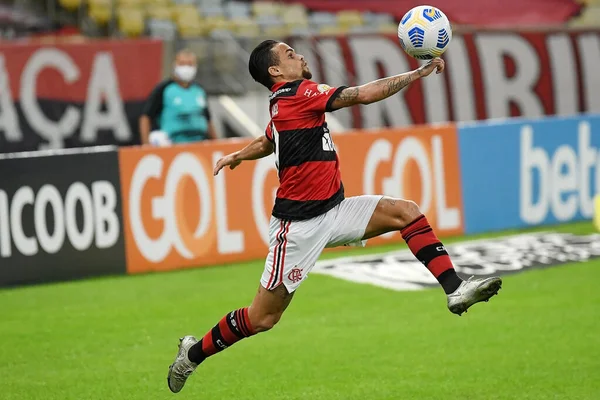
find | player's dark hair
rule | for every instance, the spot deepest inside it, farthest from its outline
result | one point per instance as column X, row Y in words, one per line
column 261, row 59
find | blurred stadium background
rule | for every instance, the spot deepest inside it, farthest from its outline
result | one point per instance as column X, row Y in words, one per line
column 503, row 148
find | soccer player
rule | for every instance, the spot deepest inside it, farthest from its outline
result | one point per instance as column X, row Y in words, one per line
column 310, row 211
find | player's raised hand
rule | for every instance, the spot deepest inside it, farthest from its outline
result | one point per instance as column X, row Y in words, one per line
column 229, row 160
column 435, row 64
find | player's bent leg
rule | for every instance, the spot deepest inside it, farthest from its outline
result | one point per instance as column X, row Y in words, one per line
column 262, row 315
column 268, row 307
column 405, row 216
column 391, row 215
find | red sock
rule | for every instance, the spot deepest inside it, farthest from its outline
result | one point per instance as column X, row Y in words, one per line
column 428, row 249
column 232, row 328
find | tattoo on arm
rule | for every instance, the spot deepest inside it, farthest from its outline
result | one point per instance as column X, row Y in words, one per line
column 395, row 84
column 346, row 98
column 373, row 91
column 349, row 95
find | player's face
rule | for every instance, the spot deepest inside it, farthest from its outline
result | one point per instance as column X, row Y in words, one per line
column 292, row 66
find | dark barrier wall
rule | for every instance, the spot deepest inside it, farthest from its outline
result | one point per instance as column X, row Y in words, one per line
column 74, row 94
column 60, row 216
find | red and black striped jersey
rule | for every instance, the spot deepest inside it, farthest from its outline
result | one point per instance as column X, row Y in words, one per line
column 310, row 182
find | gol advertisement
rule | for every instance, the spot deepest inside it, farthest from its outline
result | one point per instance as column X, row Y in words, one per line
column 177, row 215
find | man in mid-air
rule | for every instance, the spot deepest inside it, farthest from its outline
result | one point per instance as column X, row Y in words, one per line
column 310, row 211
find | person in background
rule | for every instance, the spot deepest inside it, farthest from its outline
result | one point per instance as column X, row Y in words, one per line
column 177, row 107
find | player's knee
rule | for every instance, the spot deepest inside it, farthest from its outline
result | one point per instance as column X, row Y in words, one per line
column 411, row 209
column 266, row 322
column 405, row 212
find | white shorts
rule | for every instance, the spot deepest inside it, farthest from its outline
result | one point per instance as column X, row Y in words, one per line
column 295, row 246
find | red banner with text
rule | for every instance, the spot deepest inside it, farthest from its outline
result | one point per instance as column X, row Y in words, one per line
column 489, row 74
column 74, row 93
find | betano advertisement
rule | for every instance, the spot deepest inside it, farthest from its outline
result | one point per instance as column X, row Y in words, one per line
column 176, row 214
column 521, row 173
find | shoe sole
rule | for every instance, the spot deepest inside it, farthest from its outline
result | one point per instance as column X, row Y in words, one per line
column 484, row 293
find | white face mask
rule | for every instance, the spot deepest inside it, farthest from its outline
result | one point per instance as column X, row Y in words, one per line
column 185, row 72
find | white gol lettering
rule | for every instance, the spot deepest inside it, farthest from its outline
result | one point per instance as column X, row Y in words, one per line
column 151, row 166
column 411, row 148
column 229, row 241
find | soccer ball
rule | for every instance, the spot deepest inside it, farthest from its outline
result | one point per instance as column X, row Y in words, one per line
column 424, row 32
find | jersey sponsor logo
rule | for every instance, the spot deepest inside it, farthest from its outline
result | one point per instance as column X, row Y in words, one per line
column 312, row 93
column 280, row 92
column 400, row 270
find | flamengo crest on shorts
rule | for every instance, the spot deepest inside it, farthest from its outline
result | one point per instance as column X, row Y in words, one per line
column 310, row 182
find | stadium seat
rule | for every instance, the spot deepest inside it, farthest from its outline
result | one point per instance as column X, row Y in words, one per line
column 276, row 31
column 191, row 26
column 212, row 11
column 376, row 19
column 246, row 28
column 70, row 5
column 238, row 10
column 160, row 12
column 220, row 24
column 387, row 29
column 319, row 19
column 209, row 3
column 182, row 10
column 349, row 18
column 157, row 3
column 260, row 8
column 295, row 16
column 333, row 30
column 131, row 21
column 302, row 31
column 130, row 3
column 100, row 11
column 189, row 22
column 164, row 30
column 589, row 18
column 362, row 29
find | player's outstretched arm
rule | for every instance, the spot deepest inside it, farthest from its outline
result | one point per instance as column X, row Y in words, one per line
column 386, row 87
column 259, row 148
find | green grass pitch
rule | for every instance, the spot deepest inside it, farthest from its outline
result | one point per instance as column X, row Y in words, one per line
column 113, row 339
